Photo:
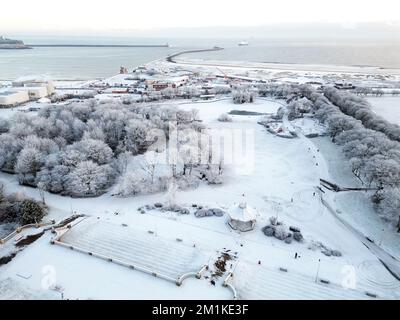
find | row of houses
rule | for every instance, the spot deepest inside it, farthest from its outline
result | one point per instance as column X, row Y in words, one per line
column 164, row 83
column 26, row 89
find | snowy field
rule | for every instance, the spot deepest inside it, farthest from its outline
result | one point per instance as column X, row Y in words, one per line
column 256, row 282
column 387, row 107
column 14, row 290
column 280, row 181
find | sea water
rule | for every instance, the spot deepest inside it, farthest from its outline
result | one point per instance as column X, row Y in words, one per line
column 89, row 63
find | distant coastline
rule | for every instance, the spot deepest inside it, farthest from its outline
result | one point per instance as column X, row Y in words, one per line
column 10, row 44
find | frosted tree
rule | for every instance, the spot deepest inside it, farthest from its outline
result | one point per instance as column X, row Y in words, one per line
column 149, row 164
column 382, row 172
column 9, row 148
column 120, row 164
column 241, row 95
column 95, row 150
column 82, row 111
column 4, row 125
column 389, row 206
column 53, row 179
column 28, row 164
column 136, row 133
column 93, row 131
column 88, row 179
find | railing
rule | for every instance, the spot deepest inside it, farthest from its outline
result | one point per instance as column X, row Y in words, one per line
column 230, row 286
column 19, row 229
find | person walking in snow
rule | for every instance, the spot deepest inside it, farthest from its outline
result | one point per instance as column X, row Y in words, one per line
column 295, row 256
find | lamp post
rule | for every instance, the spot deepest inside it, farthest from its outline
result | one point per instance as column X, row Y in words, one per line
column 383, row 234
column 316, row 277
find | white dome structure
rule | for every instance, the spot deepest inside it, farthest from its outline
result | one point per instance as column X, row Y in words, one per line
column 242, row 217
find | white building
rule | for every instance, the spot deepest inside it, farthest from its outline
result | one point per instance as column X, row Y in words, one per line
column 35, row 82
column 34, row 93
column 242, row 217
column 13, row 98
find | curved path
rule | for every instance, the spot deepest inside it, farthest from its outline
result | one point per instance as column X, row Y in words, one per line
column 391, row 263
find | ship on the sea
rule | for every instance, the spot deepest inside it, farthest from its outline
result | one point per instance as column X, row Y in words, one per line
column 243, row 43
column 6, row 43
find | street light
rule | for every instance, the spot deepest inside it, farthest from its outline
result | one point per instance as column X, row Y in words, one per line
column 383, row 234
column 316, row 277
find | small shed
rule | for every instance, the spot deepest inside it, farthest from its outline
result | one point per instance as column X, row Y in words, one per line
column 242, row 217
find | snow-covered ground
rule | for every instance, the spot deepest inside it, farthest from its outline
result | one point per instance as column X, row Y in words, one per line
column 309, row 126
column 279, row 180
column 388, row 107
column 288, row 67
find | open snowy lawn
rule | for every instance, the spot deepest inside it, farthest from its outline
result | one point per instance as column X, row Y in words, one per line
column 209, row 111
column 15, row 290
column 279, row 180
column 387, row 107
column 259, row 282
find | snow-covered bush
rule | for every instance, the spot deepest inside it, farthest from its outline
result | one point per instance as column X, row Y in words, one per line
column 201, row 213
column 214, row 175
column 269, row 231
column 18, row 209
column 281, row 232
column 31, row 212
column 224, row 117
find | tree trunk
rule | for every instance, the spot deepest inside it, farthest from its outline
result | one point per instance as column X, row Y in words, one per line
column 398, row 225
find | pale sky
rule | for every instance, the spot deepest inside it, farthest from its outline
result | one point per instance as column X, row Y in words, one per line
column 130, row 15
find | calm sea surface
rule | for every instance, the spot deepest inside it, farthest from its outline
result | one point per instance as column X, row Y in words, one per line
column 88, row 63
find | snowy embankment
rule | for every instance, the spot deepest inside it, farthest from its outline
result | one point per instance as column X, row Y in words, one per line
column 279, row 180
column 329, row 201
column 387, row 107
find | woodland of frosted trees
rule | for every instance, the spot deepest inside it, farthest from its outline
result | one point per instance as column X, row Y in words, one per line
column 84, row 148
column 370, row 143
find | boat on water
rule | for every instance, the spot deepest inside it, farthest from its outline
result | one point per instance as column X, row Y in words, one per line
column 243, row 43
column 6, row 43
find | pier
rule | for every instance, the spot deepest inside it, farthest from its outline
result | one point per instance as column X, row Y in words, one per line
column 98, row 45
column 171, row 57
